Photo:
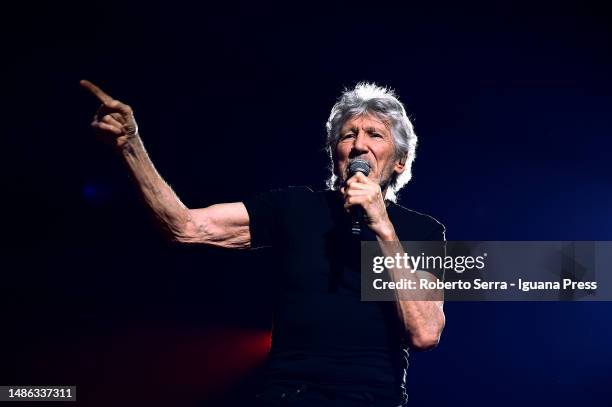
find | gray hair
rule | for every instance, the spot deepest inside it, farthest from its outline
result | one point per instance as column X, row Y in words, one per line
column 369, row 98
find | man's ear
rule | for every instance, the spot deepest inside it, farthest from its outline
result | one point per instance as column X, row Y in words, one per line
column 400, row 166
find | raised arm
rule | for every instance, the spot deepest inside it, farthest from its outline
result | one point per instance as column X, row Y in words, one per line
column 422, row 320
column 223, row 225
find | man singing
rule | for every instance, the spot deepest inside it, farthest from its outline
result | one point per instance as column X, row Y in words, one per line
column 328, row 346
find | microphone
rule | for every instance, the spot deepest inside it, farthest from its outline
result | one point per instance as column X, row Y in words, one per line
column 355, row 166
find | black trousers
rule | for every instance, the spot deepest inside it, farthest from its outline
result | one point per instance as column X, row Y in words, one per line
column 305, row 395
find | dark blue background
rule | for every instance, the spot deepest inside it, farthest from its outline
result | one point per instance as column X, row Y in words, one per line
column 512, row 104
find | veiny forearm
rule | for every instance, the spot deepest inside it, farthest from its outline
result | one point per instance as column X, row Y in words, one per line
column 225, row 226
column 422, row 320
column 171, row 214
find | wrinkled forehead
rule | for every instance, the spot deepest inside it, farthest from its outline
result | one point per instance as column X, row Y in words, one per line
column 368, row 121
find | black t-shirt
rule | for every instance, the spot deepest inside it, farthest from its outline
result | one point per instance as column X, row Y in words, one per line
column 323, row 334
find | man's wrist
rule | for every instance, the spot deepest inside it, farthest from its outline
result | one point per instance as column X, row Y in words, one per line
column 129, row 145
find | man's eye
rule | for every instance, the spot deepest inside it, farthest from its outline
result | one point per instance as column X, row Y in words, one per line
column 376, row 135
column 348, row 135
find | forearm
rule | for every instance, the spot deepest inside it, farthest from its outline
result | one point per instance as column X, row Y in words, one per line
column 422, row 320
column 166, row 207
column 225, row 225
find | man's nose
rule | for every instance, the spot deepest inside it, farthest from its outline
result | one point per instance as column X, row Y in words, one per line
column 360, row 144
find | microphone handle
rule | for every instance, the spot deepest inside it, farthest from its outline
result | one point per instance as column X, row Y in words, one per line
column 356, row 221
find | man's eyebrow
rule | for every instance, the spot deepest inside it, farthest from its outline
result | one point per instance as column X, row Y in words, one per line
column 374, row 130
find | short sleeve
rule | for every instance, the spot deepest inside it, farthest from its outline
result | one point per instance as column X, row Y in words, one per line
column 263, row 210
column 268, row 213
column 437, row 247
column 438, row 233
column 422, row 233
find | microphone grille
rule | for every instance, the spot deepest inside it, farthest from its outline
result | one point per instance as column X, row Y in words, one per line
column 359, row 165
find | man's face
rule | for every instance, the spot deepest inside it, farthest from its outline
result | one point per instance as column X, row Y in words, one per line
column 369, row 138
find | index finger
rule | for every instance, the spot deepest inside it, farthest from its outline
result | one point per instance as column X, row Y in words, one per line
column 358, row 176
column 96, row 91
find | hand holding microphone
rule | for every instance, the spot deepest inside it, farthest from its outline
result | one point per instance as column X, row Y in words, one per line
column 363, row 198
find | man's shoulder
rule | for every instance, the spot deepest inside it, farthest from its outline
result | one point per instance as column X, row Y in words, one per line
column 294, row 190
column 414, row 223
column 285, row 191
column 279, row 198
column 289, row 193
